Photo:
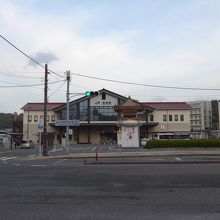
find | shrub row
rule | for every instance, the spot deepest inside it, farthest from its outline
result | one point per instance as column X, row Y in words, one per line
column 183, row 143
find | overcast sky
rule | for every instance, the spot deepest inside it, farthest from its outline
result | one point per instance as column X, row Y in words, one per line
column 169, row 43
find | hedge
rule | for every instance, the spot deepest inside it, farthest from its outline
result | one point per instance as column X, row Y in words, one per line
column 183, row 143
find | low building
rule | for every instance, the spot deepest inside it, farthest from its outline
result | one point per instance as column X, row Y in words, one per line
column 168, row 120
column 99, row 122
column 32, row 114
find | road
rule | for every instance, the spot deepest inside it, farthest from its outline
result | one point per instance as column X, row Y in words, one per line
column 69, row 189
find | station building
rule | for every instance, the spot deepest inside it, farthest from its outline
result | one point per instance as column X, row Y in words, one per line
column 99, row 122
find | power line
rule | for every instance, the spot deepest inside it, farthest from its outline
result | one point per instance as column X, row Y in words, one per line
column 19, row 76
column 30, row 85
column 33, row 60
column 146, row 85
column 57, row 89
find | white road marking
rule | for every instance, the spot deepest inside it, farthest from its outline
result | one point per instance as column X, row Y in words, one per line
column 59, row 161
column 55, row 150
column 179, row 159
column 38, row 165
column 93, row 149
column 6, row 158
column 5, row 152
column 75, row 149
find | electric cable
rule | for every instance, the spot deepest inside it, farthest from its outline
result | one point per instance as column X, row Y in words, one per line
column 33, row 60
column 30, row 85
column 57, row 89
column 146, row 85
column 19, row 76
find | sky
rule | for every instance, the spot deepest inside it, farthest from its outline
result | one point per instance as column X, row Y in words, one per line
column 152, row 42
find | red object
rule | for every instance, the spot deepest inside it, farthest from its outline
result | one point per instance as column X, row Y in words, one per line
column 96, row 156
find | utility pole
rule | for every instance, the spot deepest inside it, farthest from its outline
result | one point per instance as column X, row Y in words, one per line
column 67, row 110
column 45, row 143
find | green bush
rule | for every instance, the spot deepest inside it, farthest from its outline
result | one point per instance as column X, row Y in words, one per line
column 183, row 143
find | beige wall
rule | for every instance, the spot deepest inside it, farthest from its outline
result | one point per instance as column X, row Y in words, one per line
column 170, row 126
column 32, row 126
column 95, row 136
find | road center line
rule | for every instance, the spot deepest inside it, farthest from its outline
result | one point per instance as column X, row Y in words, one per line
column 38, row 165
column 59, row 161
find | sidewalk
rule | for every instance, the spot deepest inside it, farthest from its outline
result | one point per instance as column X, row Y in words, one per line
column 147, row 153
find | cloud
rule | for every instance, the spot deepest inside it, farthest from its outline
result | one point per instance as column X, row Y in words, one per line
column 42, row 58
column 171, row 52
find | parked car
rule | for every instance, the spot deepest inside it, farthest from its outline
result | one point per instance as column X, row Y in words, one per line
column 27, row 144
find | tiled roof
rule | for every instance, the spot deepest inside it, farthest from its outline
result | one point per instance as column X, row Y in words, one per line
column 40, row 106
column 168, row 105
column 130, row 106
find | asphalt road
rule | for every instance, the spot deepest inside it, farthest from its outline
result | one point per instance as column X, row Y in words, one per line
column 162, row 191
column 30, row 157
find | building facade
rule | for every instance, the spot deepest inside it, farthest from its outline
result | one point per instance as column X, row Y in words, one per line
column 32, row 114
column 99, row 122
column 200, row 115
column 168, row 120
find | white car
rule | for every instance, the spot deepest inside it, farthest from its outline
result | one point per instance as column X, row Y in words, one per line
column 144, row 141
column 27, row 145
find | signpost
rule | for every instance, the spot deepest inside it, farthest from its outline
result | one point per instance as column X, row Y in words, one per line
column 40, row 128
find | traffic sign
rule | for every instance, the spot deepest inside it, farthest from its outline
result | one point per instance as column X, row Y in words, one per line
column 40, row 125
column 61, row 123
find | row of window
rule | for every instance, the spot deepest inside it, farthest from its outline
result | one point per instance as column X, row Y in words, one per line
column 36, row 118
column 170, row 117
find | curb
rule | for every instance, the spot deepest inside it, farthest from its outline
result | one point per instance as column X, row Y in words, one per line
column 154, row 163
column 105, row 155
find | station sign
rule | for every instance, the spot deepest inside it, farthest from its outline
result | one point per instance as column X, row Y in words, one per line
column 61, row 123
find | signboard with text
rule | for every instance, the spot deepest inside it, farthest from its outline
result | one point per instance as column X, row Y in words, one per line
column 61, row 123
column 40, row 125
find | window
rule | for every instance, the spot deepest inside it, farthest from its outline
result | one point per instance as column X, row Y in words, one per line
column 41, row 117
column 29, row 118
column 164, row 117
column 181, row 117
column 170, row 118
column 103, row 113
column 35, row 118
column 176, row 117
column 151, row 118
column 53, row 118
column 83, row 108
column 103, row 96
column 48, row 118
